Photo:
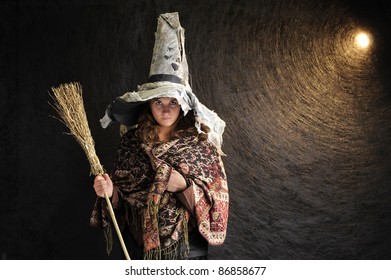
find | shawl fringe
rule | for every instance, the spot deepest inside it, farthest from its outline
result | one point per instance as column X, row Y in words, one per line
column 181, row 246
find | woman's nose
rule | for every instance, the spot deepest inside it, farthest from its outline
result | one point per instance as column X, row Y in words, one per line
column 166, row 109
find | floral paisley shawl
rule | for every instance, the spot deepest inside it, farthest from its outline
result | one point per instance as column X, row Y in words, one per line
column 141, row 174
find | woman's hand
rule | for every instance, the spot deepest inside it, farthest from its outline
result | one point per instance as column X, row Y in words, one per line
column 102, row 185
column 177, row 182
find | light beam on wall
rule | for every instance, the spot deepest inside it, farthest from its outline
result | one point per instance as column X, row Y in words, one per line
column 363, row 40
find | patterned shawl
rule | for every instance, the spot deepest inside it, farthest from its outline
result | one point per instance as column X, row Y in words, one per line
column 141, row 174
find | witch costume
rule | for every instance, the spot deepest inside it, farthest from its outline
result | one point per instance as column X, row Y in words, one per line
column 156, row 223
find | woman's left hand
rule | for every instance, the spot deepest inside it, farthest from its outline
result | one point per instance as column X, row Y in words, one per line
column 177, row 182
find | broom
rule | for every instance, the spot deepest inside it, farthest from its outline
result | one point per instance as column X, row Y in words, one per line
column 68, row 103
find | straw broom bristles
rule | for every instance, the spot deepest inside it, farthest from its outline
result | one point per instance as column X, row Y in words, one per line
column 68, row 103
column 70, row 107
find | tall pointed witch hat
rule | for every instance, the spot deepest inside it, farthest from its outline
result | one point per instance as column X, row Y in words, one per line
column 168, row 77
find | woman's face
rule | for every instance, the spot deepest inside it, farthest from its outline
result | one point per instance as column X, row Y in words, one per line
column 165, row 110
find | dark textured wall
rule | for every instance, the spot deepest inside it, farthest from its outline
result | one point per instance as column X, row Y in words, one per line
column 308, row 120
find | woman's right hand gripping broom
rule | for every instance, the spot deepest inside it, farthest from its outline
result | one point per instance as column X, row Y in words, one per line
column 102, row 185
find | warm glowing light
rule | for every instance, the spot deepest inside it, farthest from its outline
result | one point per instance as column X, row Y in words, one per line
column 362, row 40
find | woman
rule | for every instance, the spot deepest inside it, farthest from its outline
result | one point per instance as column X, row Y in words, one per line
column 168, row 186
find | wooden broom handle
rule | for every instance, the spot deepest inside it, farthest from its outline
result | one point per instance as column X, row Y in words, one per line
column 116, row 226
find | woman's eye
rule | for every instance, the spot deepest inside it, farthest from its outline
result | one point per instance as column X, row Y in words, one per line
column 174, row 103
